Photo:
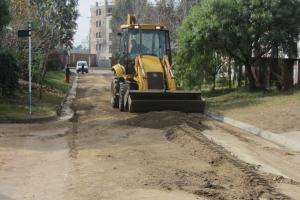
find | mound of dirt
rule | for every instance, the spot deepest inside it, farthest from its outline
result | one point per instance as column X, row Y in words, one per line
column 156, row 120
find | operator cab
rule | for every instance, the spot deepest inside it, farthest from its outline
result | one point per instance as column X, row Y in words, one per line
column 150, row 40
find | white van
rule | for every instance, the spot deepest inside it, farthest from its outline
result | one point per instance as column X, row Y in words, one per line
column 82, row 65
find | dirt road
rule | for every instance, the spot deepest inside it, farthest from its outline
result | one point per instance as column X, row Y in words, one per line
column 103, row 154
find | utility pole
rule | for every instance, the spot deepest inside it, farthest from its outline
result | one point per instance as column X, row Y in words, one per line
column 24, row 34
column 29, row 67
column 29, row 71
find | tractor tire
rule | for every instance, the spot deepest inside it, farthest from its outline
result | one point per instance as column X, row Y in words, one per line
column 114, row 101
column 129, row 105
column 114, row 98
column 122, row 93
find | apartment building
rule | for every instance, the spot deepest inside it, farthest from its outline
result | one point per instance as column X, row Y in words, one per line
column 100, row 31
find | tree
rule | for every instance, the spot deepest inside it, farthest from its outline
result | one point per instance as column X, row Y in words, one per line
column 9, row 73
column 243, row 30
column 4, row 14
column 213, row 67
column 54, row 25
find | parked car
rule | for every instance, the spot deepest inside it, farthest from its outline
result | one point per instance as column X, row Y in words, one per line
column 82, row 65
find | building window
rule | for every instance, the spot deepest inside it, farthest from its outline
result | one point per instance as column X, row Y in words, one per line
column 98, row 47
column 98, row 12
column 98, row 35
column 110, row 37
column 98, row 23
column 110, row 49
column 109, row 11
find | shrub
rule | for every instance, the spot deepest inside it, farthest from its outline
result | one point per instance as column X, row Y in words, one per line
column 9, row 73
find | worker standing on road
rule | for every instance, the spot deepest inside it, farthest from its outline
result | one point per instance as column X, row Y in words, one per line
column 67, row 74
column 82, row 68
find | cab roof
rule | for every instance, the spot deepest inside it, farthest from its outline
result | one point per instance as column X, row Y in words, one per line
column 131, row 24
column 144, row 26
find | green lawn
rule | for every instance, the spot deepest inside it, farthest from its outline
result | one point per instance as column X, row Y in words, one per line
column 226, row 99
column 56, row 80
column 16, row 107
column 275, row 111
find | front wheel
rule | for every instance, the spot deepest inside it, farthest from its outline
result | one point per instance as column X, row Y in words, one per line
column 129, row 105
column 114, row 98
column 114, row 101
column 122, row 93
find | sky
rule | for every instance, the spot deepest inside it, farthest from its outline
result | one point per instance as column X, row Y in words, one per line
column 83, row 22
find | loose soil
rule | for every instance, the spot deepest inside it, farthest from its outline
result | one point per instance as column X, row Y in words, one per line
column 105, row 154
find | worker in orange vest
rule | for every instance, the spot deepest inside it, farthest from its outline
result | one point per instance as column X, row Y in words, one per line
column 67, row 74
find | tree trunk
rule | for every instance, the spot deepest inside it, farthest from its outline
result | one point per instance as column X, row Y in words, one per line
column 235, row 75
column 239, row 78
column 268, row 77
column 298, row 67
column 43, row 74
column 214, row 83
column 250, row 78
column 229, row 75
column 287, row 74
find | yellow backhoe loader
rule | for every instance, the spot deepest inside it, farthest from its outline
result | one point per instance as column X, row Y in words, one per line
column 143, row 78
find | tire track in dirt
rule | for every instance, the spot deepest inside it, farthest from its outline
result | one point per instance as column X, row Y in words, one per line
column 183, row 130
column 262, row 186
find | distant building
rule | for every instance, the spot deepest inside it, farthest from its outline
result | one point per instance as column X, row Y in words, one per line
column 100, row 32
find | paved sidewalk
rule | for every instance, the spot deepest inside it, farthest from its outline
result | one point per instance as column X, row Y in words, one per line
column 288, row 140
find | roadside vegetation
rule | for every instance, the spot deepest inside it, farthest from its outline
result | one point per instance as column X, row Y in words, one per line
column 275, row 111
column 16, row 106
column 53, row 26
column 55, row 80
column 222, row 100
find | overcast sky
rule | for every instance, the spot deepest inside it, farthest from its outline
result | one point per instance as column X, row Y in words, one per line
column 83, row 22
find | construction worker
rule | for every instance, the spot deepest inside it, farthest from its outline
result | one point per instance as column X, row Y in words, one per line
column 133, row 46
column 82, row 68
column 67, row 74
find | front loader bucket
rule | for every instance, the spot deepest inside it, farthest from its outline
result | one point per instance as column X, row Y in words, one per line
column 153, row 100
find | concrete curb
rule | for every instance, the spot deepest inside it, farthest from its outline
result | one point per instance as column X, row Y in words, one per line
column 66, row 112
column 25, row 121
column 279, row 139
